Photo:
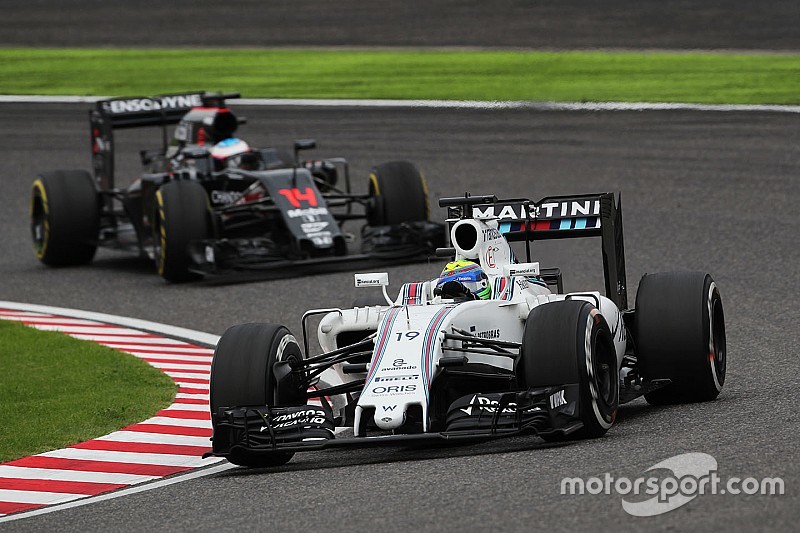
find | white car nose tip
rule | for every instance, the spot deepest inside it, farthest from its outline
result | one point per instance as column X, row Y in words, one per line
column 390, row 419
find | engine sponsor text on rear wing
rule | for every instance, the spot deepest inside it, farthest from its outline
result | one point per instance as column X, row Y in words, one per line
column 556, row 217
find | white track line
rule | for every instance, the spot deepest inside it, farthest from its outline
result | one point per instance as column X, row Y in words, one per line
column 156, row 438
column 138, row 458
column 445, row 104
column 26, row 472
column 37, row 497
column 171, row 331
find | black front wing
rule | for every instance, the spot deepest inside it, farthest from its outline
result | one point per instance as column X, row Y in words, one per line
column 544, row 412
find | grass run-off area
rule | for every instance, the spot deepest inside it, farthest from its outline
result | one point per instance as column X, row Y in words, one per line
column 407, row 74
column 56, row 390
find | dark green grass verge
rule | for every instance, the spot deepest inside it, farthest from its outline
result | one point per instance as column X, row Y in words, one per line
column 437, row 74
column 56, row 390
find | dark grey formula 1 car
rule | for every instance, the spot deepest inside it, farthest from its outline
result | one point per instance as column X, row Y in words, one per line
column 208, row 203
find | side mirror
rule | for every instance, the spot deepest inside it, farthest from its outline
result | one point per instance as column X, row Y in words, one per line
column 374, row 279
column 303, row 144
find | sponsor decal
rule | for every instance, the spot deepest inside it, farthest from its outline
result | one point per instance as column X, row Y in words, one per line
column 137, row 105
column 394, row 389
column 389, row 407
column 314, row 227
column 297, row 418
column 481, row 404
column 372, row 280
column 489, row 258
column 307, row 212
column 402, row 377
column 386, row 419
column 562, row 209
column 399, row 364
column 491, row 233
column 488, row 334
column 225, row 197
column 557, row 399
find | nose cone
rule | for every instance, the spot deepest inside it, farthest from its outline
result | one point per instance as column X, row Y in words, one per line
column 390, row 419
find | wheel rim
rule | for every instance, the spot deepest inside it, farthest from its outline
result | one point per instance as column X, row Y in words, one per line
column 605, row 371
column 718, row 353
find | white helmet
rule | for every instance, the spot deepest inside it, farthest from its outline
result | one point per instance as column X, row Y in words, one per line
column 229, row 152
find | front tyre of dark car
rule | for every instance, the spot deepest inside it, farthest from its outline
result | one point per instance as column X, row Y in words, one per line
column 182, row 215
column 65, row 217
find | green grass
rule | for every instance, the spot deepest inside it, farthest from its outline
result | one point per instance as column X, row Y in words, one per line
column 480, row 75
column 56, row 390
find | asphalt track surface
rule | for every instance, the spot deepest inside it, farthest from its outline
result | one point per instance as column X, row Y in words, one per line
column 674, row 24
column 708, row 191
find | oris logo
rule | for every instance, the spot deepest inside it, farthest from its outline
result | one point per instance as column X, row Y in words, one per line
column 394, row 389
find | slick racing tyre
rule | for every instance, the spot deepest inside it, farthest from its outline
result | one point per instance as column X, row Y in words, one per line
column 680, row 335
column 570, row 342
column 182, row 215
column 399, row 194
column 65, row 217
column 242, row 375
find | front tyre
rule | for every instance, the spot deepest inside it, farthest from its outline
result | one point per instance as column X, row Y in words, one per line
column 182, row 215
column 399, row 194
column 242, row 375
column 65, row 217
column 680, row 335
column 569, row 342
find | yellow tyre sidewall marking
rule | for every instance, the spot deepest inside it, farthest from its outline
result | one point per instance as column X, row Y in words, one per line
column 374, row 180
column 38, row 185
column 162, row 233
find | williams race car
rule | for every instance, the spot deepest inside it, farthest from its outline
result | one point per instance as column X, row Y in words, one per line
column 208, row 203
column 491, row 348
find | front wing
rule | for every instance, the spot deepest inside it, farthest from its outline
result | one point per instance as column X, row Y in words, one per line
column 408, row 242
column 544, row 412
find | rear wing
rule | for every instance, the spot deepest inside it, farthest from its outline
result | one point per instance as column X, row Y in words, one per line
column 134, row 112
column 556, row 217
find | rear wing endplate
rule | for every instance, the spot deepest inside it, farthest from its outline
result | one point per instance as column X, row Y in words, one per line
column 557, row 217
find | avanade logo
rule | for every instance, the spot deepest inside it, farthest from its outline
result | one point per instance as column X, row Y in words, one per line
column 691, row 475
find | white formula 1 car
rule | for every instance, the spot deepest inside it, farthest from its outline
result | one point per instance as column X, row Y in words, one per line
column 440, row 363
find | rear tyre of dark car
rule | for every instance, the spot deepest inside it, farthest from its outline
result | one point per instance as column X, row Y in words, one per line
column 65, row 217
column 680, row 335
column 399, row 194
column 242, row 375
column 182, row 215
column 569, row 342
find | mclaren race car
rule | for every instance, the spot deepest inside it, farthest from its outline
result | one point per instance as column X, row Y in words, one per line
column 491, row 348
column 208, row 203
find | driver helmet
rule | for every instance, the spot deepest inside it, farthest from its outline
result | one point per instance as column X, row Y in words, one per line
column 468, row 274
column 228, row 153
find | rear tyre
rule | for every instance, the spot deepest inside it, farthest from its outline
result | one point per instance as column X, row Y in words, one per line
column 570, row 342
column 680, row 335
column 65, row 217
column 242, row 375
column 399, row 194
column 182, row 215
